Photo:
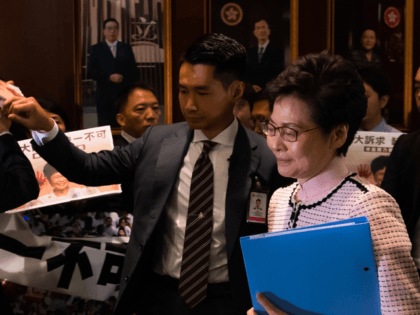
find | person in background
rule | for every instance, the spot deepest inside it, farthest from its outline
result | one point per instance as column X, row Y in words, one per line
column 367, row 55
column 112, row 65
column 138, row 109
column 318, row 104
column 243, row 107
column 402, row 179
column 56, row 113
column 110, row 230
column 378, row 167
column 265, row 61
column 260, row 112
column 377, row 92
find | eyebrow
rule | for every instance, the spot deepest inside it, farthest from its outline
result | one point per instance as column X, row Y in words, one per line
column 151, row 103
column 284, row 124
column 198, row 87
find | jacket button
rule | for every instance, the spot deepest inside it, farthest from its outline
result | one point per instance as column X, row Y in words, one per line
column 126, row 278
column 141, row 246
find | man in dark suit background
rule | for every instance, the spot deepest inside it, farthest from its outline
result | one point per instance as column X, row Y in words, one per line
column 138, row 109
column 265, row 61
column 160, row 164
column 112, row 65
column 402, row 179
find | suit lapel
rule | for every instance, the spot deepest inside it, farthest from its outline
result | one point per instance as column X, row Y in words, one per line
column 243, row 165
column 170, row 160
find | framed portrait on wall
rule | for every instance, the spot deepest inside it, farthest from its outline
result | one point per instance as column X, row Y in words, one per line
column 143, row 25
column 263, row 27
column 378, row 33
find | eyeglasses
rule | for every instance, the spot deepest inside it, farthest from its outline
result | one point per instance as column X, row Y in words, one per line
column 112, row 28
column 286, row 133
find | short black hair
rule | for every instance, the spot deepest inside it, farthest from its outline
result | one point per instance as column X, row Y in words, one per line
column 248, row 96
column 49, row 171
column 261, row 19
column 224, row 53
column 54, row 108
column 110, row 20
column 258, row 200
column 331, row 88
column 124, row 94
column 376, row 79
column 379, row 163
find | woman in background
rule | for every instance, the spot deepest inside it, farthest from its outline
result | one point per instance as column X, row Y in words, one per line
column 366, row 56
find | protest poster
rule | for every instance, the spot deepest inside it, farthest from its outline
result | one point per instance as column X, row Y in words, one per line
column 87, row 268
column 370, row 149
column 55, row 188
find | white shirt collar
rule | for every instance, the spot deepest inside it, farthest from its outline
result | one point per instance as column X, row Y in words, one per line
column 226, row 137
column 112, row 44
column 263, row 46
column 317, row 186
column 127, row 136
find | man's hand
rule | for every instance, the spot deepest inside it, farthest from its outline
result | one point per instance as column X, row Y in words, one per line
column 27, row 112
column 115, row 77
column 271, row 310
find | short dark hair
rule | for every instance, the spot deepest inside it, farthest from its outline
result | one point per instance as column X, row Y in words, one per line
column 224, row 53
column 379, row 163
column 248, row 96
column 49, row 171
column 258, row 200
column 331, row 88
column 110, row 20
column 54, row 108
column 123, row 96
column 262, row 19
column 376, row 79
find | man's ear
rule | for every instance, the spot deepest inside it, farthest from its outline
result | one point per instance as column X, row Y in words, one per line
column 339, row 136
column 236, row 90
column 120, row 120
column 383, row 101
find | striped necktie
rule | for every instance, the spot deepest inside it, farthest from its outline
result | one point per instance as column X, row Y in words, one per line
column 196, row 253
column 113, row 48
column 260, row 54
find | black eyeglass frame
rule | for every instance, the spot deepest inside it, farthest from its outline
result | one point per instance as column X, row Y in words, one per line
column 264, row 128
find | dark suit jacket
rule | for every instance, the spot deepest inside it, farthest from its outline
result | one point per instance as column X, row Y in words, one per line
column 272, row 63
column 402, row 178
column 18, row 185
column 154, row 161
column 101, row 65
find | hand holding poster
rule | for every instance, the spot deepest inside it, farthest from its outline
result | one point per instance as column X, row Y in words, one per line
column 368, row 154
column 54, row 187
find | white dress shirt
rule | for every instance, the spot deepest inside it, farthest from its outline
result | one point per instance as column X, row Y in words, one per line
column 263, row 46
column 177, row 208
column 127, row 136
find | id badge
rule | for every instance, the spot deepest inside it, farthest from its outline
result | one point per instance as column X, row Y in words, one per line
column 257, row 212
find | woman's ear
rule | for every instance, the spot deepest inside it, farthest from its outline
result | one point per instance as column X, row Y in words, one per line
column 339, row 135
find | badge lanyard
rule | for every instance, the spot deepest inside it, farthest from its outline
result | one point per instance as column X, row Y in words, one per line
column 258, row 203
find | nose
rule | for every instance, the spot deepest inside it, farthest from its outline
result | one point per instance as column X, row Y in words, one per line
column 191, row 103
column 276, row 143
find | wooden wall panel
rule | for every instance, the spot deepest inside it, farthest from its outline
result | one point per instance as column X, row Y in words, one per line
column 37, row 50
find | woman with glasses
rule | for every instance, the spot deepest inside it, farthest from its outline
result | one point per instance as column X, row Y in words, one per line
column 317, row 105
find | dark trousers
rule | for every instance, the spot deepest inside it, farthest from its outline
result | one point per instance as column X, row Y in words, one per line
column 165, row 299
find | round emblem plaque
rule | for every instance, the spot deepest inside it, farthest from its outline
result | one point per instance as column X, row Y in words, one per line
column 231, row 14
column 392, row 17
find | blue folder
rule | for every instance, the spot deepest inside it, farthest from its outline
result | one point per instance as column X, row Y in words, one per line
column 321, row 269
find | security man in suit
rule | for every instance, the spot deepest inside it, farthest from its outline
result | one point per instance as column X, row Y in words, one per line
column 187, row 176
column 112, row 65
